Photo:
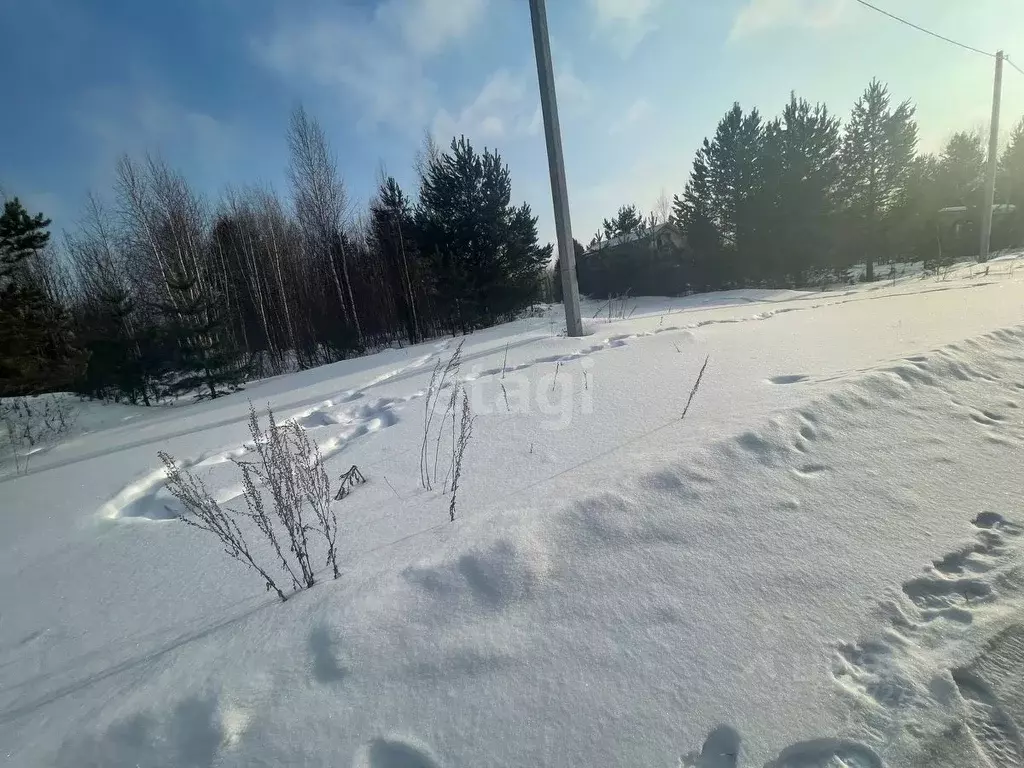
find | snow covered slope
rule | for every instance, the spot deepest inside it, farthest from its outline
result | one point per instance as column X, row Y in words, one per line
column 823, row 565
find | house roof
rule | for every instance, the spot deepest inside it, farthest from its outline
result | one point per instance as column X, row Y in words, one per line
column 631, row 237
column 1000, row 208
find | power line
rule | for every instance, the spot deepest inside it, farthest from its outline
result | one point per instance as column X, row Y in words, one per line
column 1009, row 61
column 926, row 31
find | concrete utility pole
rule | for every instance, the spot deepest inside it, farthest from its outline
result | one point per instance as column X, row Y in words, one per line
column 993, row 163
column 556, row 164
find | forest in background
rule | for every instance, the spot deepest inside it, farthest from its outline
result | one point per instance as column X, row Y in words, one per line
column 798, row 199
column 161, row 293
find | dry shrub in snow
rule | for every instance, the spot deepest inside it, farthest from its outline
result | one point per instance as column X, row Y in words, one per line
column 348, row 481
column 287, row 496
column 696, row 387
column 457, row 410
column 459, row 449
column 443, row 376
column 27, row 423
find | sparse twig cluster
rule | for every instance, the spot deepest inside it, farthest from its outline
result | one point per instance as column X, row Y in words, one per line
column 459, row 412
column 444, row 375
column 618, row 307
column 696, row 386
column 459, row 449
column 31, row 422
column 281, row 485
column 349, row 480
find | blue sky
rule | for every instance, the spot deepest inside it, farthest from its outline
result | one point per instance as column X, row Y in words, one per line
column 209, row 85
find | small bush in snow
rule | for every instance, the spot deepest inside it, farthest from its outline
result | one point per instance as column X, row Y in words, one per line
column 30, row 422
column 349, row 480
column 287, row 495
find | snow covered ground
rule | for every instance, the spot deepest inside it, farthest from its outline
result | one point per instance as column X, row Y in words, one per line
column 821, row 566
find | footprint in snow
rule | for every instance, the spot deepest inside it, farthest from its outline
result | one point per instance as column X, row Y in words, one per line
column 721, row 750
column 826, row 753
column 987, row 418
column 795, row 378
column 722, row 747
column 394, row 753
column 953, row 588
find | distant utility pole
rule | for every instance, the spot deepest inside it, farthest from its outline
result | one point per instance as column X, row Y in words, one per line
column 993, row 163
column 556, row 164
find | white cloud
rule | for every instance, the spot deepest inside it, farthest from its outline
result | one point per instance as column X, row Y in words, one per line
column 501, row 102
column 570, row 90
column 378, row 58
column 508, row 106
column 124, row 120
column 761, row 15
column 429, row 25
column 624, row 23
column 637, row 113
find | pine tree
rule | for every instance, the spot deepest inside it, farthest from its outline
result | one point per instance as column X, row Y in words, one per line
column 393, row 229
column 695, row 216
column 556, row 291
column 483, row 253
column 735, row 179
column 125, row 360
column 1011, row 182
column 626, row 222
column 878, row 151
column 915, row 219
column 37, row 353
column 204, row 359
column 801, row 168
column 962, row 170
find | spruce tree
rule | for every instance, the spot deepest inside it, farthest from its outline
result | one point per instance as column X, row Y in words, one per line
column 203, row 357
column 483, row 253
column 962, row 170
column 392, row 228
column 877, row 157
column 1011, row 182
column 801, row 168
column 736, row 179
column 916, row 224
column 626, row 222
column 694, row 214
column 36, row 341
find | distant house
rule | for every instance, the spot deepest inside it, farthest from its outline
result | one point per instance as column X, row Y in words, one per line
column 959, row 228
column 661, row 237
column 646, row 262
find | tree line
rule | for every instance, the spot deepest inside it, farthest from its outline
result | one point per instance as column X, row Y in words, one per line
column 159, row 293
column 801, row 198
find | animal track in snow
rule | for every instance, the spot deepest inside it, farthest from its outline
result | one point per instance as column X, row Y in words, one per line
column 955, row 585
column 953, row 589
column 611, row 342
column 934, row 593
column 148, row 498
